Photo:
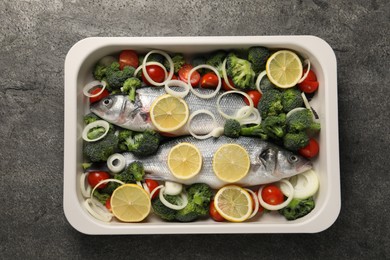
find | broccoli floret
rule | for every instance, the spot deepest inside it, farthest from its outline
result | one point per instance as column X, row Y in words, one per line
column 291, row 98
column 163, row 211
column 96, row 132
column 99, row 72
column 199, row 60
column 216, row 59
column 156, row 57
column 256, row 130
column 178, row 62
column 132, row 173
column 100, row 150
column 101, row 197
column 275, row 126
column 199, row 197
column 295, row 141
column 302, row 120
column 129, row 87
column 111, row 186
column 298, row 208
column 240, row 71
column 116, row 77
column 232, row 128
column 266, row 84
column 258, row 57
column 90, row 117
column 270, row 103
column 141, row 144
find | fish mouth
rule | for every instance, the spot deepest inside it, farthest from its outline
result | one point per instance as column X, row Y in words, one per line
column 305, row 167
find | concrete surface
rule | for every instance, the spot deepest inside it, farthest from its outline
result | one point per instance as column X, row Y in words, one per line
column 34, row 39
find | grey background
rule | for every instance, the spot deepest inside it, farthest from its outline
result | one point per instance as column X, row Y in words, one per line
column 34, row 39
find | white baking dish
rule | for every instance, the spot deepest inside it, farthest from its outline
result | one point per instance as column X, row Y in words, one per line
column 78, row 66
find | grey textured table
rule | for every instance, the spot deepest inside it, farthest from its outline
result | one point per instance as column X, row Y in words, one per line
column 35, row 37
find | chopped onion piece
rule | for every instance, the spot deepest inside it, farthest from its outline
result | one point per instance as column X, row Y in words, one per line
column 92, row 85
column 281, row 205
column 85, row 188
column 116, row 162
column 256, row 201
column 217, row 132
column 305, row 185
column 224, row 75
column 98, row 123
column 97, row 210
column 236, row 116
column 193, row 115
column 177, row 83
column 196, row 93
column 292, row 111
column 258, row 80
column 173, row 206
column 155, row 190
column 173, row 188
column 307, row 71
column 171, row 68
column 151, row 63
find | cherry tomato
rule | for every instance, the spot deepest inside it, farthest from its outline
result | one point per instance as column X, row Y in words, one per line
column 104, row 94
column 254, row 95
column 152, row 184
column 310, row 84
column 174, row 77
column 128, row 58
column 272, row 195
column 209, row 80
column 225, row 86
column 214, row 214
column 108, row 203
column 95, row 177
column 311, row 76
column 311, row 150
column 156, row 73
column 183, row 75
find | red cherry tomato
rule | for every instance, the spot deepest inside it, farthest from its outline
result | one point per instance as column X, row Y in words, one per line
column 104, row 94
column 225, row 86
column 255, row 96
column 209, row 80
column 183, row 75
column 128, row 58
column 95, row 177
column 155, row 72
column 108, row 203
column 310, row 84
column 174, row 77
column 272, row 195
column 214, row 214
column 311, row 76
column 311, row 150
column 152, row 184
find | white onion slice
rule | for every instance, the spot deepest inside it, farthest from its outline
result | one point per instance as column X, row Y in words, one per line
column 256, row 201
column 105, row 181
column 193, row 115
column 116, row 162
column 139, row 184
column 224, row 75
column 146, row 188
column 258, row 80
column 307, row 71
column 231, row 92
column 92, row 85
column 305, row 185
column 85, row 188
column 151, row 63
column 155, row 190
column 173, row 188
column 177, row 83
column 281, row 205
column 196, row 93
column 244, row 115
column 305, row 101
column 97, row 210
column 171, row 68
column 98, row 123
column 173, row 206
column 292, row 111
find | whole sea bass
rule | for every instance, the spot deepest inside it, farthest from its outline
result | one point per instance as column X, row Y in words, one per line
column 269, row 163
column 120, row 111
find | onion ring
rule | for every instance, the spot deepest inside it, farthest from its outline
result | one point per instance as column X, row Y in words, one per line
column 178, row 83
column 151, row 63
column 256, row 200
column 224, row 75
column 307, row 71
column 85, row 189
column 116, row 162
column 93, row 84
column 194, row 114
column 196, row 93
column 97, row 210
column 230, row 92
column 171, row 68
column 98, row 123
column 258, row 80
column 281, row 205
column 173, row 206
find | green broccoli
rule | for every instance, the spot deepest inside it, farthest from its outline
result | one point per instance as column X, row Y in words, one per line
column 302, row 120
column 258, row 56
column 266, row 84
column 141, row 144
column 101, row 197
column 199, row 60
column 100, row 150
column 295, row 141
column 298, row 208
column 156, row 57
column 129, row 86
column 110, row 187
column 199, row 197
column 275, row 126
column 178, row 62
column 132, row 173
column 240, row 71
column 90, row 117
column 163, row 211
column 116, row 77
column 216, row 60
column 96, row 132
column 270, row 103
column 291, row 98
column 99, row 72
column 232, row 128
column 256, row 130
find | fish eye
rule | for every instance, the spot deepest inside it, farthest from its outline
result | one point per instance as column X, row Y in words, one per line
column 293, row 158
column 107, row 102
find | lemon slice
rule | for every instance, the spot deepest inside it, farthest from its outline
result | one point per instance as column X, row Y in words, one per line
column 169, row 113
column 233, row 203
column 130, row 203
column 184, row 161
column 284, row 69
column 231, row 163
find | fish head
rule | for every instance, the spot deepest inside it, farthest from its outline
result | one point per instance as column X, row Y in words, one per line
column 289, row 164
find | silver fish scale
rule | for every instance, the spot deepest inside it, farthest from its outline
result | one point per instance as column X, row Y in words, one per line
column 264, row 157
